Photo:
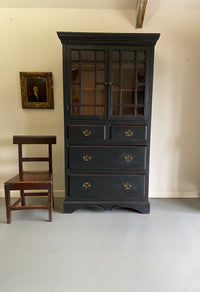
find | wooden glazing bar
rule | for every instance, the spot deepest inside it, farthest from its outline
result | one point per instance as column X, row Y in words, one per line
column 120, row 87
column 95, row 81
column 136, row 88
column 80, row 80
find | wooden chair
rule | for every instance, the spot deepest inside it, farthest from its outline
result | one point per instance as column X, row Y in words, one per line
column 35, row 180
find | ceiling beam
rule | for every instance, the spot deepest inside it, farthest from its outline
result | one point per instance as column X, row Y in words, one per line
column 140, row 12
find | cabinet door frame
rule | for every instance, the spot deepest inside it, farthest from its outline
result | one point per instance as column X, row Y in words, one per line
column 148, row 79
column 68, row 87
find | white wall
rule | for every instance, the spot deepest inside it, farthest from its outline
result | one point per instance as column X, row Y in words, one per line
column 29, row 43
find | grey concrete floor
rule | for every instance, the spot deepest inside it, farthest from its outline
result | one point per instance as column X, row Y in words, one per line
column 102, row 251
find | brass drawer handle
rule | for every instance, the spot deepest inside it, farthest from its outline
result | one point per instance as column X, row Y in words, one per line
column 86, row 185
column 127, row 186
column 87, row 157
column 128, row 158
column 86, row 133
column 128, row 133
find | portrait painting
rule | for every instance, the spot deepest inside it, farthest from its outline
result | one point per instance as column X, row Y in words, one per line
column 37, row 90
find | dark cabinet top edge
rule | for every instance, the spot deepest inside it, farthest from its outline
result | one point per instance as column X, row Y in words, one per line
column 109, row 38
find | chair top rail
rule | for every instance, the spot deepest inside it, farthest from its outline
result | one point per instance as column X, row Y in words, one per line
column 34, row 139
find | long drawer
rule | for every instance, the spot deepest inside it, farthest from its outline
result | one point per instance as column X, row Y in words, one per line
column 87, row 132
column 107, row 157
column 105, row 186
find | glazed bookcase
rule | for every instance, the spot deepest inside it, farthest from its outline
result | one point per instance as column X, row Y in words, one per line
column 107, row 81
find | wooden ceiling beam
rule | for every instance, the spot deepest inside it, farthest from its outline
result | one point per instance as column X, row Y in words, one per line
column 140, row 12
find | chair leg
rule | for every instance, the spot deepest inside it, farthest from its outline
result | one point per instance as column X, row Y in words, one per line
column 8, row 204
column 23, row 203
column 53, row 198
column 50, row 202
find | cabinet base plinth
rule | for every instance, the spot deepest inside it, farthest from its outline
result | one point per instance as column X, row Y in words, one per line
column 71, row 206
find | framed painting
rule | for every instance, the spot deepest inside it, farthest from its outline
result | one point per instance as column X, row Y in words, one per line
column 37, row 90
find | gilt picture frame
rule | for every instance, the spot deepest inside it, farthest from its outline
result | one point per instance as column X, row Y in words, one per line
column 37, row 90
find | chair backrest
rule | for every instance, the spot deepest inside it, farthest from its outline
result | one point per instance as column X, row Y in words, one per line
column 20, row 140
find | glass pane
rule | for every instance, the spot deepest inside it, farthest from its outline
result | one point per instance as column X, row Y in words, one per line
column 141, row 72
column 141, row 55
column 115, row 95
column 115, row 111
column 140, row 94
column 88, row 110
column 128, row 97
column 87, row 55
column 128, row 56
column 75, row 93
column 75, row 72
column 115, row 73
column 87, row 76
column 88, row 97
column 100, row 111
column 140, row 111
column 115, row 56
column 128, row 76
column 100, row 72
column 74, row 55
column 128, row 111
column 100, row 56
column 100, row 94
column 76, row 110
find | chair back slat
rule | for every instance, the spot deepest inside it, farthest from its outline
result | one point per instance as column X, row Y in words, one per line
column 28, row 159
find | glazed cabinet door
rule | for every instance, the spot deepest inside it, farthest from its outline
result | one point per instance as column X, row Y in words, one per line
column 88, row 82
column 108, row 82
column 128, row 83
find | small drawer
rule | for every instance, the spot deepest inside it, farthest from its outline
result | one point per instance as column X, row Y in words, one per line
column 107, row 186
column 87, row 132
column 107, row 157
column 129, row 133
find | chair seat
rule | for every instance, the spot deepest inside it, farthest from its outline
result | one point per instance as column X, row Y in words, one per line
column 30, row 177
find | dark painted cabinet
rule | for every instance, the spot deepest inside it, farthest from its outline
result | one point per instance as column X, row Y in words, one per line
column 107, row 82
